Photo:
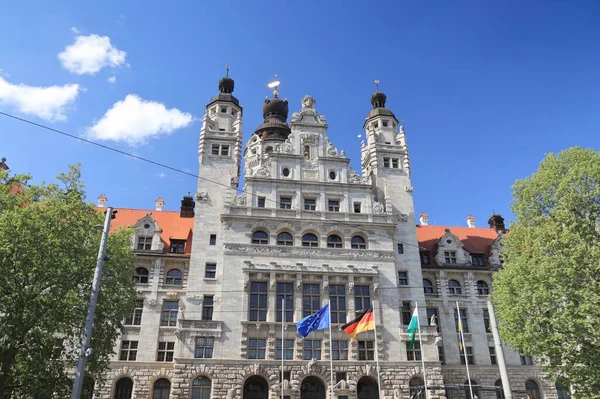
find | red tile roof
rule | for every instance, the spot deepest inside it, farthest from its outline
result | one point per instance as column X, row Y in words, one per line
column 476, row 240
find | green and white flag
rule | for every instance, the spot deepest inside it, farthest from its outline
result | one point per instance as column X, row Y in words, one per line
column 413, row 326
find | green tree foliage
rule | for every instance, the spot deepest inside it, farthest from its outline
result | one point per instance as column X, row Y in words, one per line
column 547, row 294
column 48, row 249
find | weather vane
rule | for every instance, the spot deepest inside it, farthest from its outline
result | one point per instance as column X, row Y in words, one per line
column 377, row 84
column 274, row 85
column 227, row 66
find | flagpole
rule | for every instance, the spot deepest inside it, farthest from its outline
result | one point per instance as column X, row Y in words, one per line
column 330, row 351
column 462, row 339
column 282, row 340
column 377, row 353
column 422, row 350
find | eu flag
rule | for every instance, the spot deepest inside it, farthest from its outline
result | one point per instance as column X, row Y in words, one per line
column 315, row 321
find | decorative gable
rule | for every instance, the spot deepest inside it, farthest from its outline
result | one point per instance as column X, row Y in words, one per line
column 147, row 234
column 451, row 251
column 495, row 251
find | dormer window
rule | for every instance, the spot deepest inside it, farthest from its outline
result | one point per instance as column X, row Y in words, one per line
column 450, row 256
column 478, row 259
column 177, row 246
column 425, row 258
column 144, row 243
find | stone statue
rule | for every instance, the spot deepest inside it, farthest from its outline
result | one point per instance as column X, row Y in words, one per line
column 308, row 102
column 432, row 321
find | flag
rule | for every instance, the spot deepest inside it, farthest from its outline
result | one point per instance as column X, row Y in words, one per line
column 364, row 322
column 412, row 327
column 460, row 343
column 315, row 321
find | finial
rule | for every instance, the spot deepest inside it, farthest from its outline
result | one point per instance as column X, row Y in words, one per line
column 227, row 67
column 376, row 84
column 274, row 85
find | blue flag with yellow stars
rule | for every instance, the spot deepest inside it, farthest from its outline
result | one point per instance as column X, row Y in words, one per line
column 315, row 321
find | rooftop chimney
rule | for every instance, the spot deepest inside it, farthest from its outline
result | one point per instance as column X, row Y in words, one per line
column 471, row 221
column 423, row 219
column 102, row 201
column 187, row 207
column 160, row 202
column 3, row 164
column 496, row 222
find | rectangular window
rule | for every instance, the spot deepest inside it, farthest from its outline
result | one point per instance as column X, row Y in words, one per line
column 224, row 150
column 261, row 202
column 285, row 292
column 362, row 297
column 441, row 356
column 341, row 375
column 221, row 129
column 258, row 301
column 425, row 258
column 406, row 313
column 413, row 354
column 402, row 278
column 287, row 375
column 210, row 270
column 366, row 350
column 450, row 256
column 144, row 243
column 337, row 297
column 311, row 299
column 464, row 319
column 285, row 202
column 470, row 356
column 384, row 123
column 165, row 351
column 432, row 317
column 213, row 239
column 169, row 312
column 333, row 205
column 208, row 304
column 527, row 360
column 492, row 355
column 257, row 348
column 312, row 349
column 289, row 349
column 395, row 163
column 400, row 249
column 310, row 204
column 357, row 207
column 478, row 259
column 215, row 149
column 339, row 349
column 177, row 246
column 204, row 347
column 136, row 317
column 223, row 110
column 386, row 162
column 486, row 320
column 128, row 350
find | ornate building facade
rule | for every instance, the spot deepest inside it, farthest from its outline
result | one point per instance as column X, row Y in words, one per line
column 219, row 280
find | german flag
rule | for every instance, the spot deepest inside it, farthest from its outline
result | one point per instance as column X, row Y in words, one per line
column 364, row 322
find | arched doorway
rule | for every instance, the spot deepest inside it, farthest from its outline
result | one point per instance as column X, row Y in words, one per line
column 124, row 388
column 533, row 389
column 256, row 387
column 416, row 385
column 162, row 389
column 367, row 389
column 312, row 388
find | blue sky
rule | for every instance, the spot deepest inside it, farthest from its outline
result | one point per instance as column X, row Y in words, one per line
column 485, row 88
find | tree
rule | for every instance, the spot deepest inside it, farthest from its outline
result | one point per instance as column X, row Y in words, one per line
column 48, row 248
column 547, row 294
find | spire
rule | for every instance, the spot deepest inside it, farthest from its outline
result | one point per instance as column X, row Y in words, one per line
column 226, row 87
column 378, row 100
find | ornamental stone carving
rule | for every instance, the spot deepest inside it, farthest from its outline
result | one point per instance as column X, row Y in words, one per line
column 354, row 177
column 331, row 150
column 263, row 172
column 402, row 217
column 287, row 146
column 378, row 207
column 409, row 189
column 202, row 196
column 240, row 199
column 309, row 138
column 304, row 252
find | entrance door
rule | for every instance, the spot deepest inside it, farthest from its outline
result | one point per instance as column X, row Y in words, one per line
column 256, row 387
column 312, row 388
column 367, row 389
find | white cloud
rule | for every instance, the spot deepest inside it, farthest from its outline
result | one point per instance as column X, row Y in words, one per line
column 91, row 53
column 48, row 103
column 162, row 175
column 135, row 120
column 112, row 79
column 75, row 30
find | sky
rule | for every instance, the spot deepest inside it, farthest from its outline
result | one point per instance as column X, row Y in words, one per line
column 485, row 88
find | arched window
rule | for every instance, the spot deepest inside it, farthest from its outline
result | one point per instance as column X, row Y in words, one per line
column 427, row 286
column 358, row 242
column 201, row 388
column 334, row 241
column 124, row 388
column 174, row 277
column 475, row 387
column 415, row 385
column 482, row 288
column 260, row 237
column 533, row 389
column 285, row 239
column 162, row 389
column 562, row 391
column 454, row 287
column 140, row 275
column 499, row 390
column 310, row 240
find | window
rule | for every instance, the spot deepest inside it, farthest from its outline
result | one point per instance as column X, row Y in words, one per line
column 334, row 205
column 432, row 318
column 311, row 299
column 261, row 202
column 386, row 162
column 310, row 204
column 220, row 149
column 337, row 298
column 441, row 356
column 213, row 239
column 128, row 350
column 177, row 246
column 526, row 360
column 224, row 149
column 357, row 206
column 474, row 386
column 414, row 354
column 162, row 389
column 425, row 258
column 450, row 256
column 562, row 391
column 144, row 243
column 486, row 320
column 285, row 239
column 289, row 349
column 256, row 348
column 201, row 388
column 470, row 356
column 204, row 347
column 341, row 375
column 223, row 109
column 332, row 175
column 210, row 270
column 402, row 278
column 358, row 242
column 334, row 241
column 208, row 304
column 428, row 287
column 482, row 288
column 136, row 318
column 384, row 123
column 285, row 172
column 215, row 149
column 312, row 349
column 400, row 249
column 285, row 292
column 406, row 313
column 464, row 320
column 500, row 390
column 124, row 388
column 174, row 277
column 169, row 312
column 417, row 385
column 140, row 276
column 287, row 375
column 285, row 202
column 260, row 237
column 310, row 240
column 478, row 259
column 533, row 389
column 258, row 301
column 362, row 298
column 366, row 350
column 376, row 124
column 454, row 287
column 165, row 351
column 339, row 350
column 492, row 355
column 395, row 163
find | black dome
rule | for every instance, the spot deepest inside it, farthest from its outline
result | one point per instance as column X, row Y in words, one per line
column 378, row 99
column 275, row 113
column 226, row 85
column 275, row 107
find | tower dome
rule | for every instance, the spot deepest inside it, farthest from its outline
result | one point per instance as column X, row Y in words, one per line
column 226, row 84
column 275, row 113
